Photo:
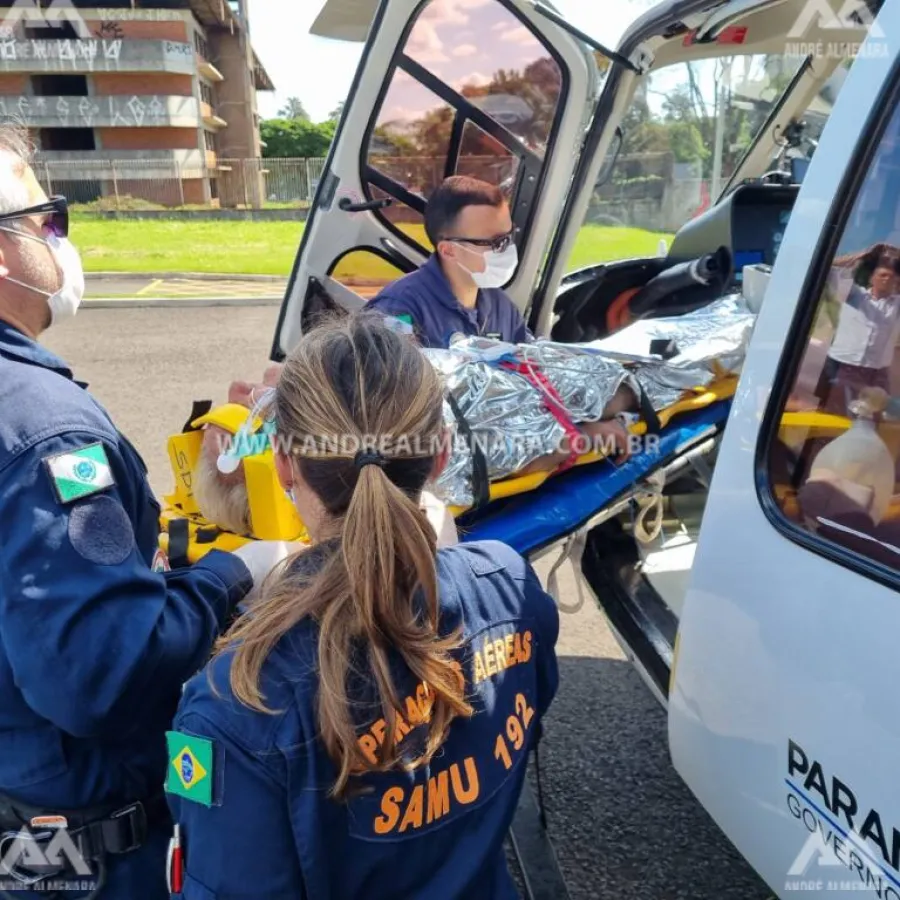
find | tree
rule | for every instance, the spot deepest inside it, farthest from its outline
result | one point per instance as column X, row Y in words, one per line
column 336, row 113
column 294, row 109
column 296, row 138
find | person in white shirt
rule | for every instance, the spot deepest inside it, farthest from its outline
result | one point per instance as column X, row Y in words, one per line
column 862, row 352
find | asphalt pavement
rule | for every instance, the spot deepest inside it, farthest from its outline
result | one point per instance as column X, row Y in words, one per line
column 182, row 286
column 623, row 824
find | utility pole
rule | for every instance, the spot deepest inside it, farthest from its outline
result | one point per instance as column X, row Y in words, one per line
column 722, row 90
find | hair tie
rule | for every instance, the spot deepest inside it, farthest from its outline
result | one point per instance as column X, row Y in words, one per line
column 369, row 458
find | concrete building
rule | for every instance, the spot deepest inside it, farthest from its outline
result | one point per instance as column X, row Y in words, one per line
column 149, row 98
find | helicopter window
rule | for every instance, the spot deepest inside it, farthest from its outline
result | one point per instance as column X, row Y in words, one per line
column 474, row 92
column 834, row 461
column 686, row 133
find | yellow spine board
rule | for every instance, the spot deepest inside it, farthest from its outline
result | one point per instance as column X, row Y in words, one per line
column 272, row 514
column 184, row 451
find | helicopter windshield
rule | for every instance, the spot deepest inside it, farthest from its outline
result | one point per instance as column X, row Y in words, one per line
column 686, row 135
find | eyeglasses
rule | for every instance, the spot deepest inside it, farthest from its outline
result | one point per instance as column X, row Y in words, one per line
column 56, row 209
column 497, row 244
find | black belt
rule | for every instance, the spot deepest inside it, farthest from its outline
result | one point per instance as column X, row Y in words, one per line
column 97, row 832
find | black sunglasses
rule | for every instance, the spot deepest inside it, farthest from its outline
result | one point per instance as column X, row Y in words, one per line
column 497, row 244
column 57, row 210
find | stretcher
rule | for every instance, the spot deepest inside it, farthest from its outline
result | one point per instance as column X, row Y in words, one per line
column 525, row 512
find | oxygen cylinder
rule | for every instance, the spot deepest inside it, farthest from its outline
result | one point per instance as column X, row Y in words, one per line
column 860, row 460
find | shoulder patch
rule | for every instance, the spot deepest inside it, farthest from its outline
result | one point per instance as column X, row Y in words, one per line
column 190, row 770
column 76, row 474
column 101, row 532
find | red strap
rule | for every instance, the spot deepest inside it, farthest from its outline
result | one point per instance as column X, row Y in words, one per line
column 557, row 408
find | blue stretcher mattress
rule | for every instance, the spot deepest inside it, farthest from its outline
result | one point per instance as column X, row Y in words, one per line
column 564, row 503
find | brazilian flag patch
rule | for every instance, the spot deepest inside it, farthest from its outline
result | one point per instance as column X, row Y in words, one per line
column 190, row 770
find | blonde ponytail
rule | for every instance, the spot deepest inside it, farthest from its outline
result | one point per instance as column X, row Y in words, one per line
column 376, row 586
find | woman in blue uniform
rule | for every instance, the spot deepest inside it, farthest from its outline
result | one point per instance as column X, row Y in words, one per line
column 363, row 730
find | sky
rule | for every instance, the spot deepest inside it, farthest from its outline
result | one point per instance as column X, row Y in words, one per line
column 320, row 71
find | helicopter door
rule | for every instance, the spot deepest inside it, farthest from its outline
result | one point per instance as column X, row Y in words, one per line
column 782, row 704
column 486, row 88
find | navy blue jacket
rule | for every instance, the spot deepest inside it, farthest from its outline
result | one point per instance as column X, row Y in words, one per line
column 94, row 645
column 269, row 830
column 425, row 297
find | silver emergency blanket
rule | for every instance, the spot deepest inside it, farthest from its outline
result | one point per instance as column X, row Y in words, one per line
column 510, row 415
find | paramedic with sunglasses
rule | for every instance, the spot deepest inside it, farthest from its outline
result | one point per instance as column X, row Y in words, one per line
column 364, row 730
column 97, row 640
column 459, row 289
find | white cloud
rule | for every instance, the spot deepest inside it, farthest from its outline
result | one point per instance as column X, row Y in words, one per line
column 445, row 12
column 476, row 79
column 464, row 50
column 520, row 35
column 425, row 44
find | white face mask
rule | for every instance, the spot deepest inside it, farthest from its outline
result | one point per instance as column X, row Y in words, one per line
column 499, row 268
column 65, row 302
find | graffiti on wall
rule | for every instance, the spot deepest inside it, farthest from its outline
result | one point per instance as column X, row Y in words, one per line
column 110, row 30
column 90, row 112
column 86, row 50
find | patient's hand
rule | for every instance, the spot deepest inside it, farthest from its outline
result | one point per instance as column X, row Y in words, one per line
column 247, row 393
column 611, row 434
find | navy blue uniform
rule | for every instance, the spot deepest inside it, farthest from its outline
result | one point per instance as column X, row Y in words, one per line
column 267, row 828
column 425, row 297
column 94, row 644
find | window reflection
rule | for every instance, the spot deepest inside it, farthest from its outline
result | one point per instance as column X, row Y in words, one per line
column 365, row 273
column 411, row 139
column 484, row 52
column 481, row 156
column 834, row 466
column 404, row 218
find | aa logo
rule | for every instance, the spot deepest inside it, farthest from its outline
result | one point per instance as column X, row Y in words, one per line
column 818, row 852
column 28, row 860
column 852, row 15
column 52, row 15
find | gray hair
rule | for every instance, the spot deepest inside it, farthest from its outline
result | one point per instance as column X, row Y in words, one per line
column 15, row 156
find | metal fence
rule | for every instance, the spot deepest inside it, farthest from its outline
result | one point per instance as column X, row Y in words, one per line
column 117, row 184
column 648, row 190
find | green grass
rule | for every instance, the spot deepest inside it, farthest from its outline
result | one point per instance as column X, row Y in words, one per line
column 269, row 248
column 230, row 248
column 602, row 243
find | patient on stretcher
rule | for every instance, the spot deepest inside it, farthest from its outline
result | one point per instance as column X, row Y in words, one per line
column 514, row 410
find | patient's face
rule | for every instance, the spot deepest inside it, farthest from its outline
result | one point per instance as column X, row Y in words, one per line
column 222, row 499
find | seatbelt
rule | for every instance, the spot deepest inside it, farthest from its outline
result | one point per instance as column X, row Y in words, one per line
column 200, row 408
column 179, row 543
column 481, row 485
column 648, row 413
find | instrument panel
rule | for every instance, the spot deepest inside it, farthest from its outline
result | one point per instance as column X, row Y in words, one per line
column 751, row 222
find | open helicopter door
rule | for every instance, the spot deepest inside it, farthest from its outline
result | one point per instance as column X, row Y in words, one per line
column 787, row 641
column 488, row 88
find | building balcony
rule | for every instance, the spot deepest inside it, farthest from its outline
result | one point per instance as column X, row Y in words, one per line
column 210, row 117
column 208, row 70
column 97, row 55
column 103, row 112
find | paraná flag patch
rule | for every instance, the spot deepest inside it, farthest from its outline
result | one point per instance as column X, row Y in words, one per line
column 80, row 473
column 190, row 770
